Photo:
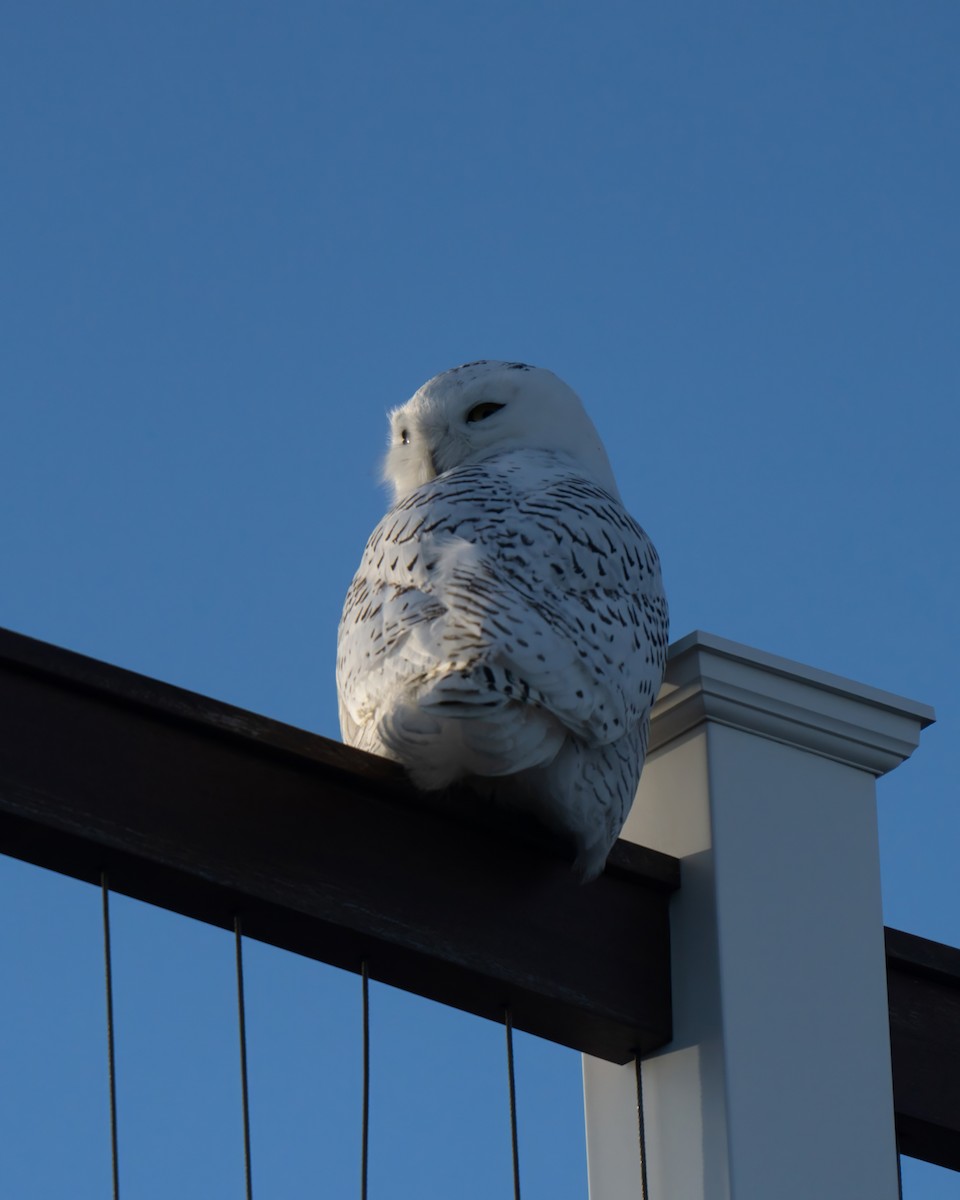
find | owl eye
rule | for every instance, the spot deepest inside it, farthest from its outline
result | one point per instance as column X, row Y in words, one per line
column 480, row 412
column 405, row 436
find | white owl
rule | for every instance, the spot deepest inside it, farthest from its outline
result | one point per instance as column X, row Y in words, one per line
column 507, row 627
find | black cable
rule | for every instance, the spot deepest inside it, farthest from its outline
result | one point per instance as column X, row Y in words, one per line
column 641, row 1128
column 111, row 1056
column 899, row 1168
column 243, row 1060
column 514, row 1143
column 365, row 1117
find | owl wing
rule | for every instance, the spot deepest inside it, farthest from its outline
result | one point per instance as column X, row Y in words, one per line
column 377, row 657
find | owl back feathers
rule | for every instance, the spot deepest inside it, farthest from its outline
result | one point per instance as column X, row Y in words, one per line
column 507, row 628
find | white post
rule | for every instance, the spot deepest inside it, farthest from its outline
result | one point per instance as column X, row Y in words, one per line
column 777, row 1084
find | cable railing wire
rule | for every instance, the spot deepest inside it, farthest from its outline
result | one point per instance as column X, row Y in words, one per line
column 641, row 1128
column 365, row 1115
column 241, row 1014
column 365, row 1110
column 514, row 1142
column 899, row 1168
column 111, row 1052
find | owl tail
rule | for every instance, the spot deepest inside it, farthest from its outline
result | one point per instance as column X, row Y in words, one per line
column 468, row 723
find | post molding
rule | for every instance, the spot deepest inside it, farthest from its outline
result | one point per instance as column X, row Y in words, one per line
column 710, row 678
column 761, row 779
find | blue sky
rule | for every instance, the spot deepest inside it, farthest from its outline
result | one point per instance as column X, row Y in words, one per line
column 234, row 235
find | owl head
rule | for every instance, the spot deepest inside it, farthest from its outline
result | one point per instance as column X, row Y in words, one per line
column 485, row 408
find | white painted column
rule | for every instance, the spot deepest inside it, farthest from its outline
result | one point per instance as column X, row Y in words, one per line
column 777, row 1085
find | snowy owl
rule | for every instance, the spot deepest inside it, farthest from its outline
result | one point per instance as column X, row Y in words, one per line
column 507, row 627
